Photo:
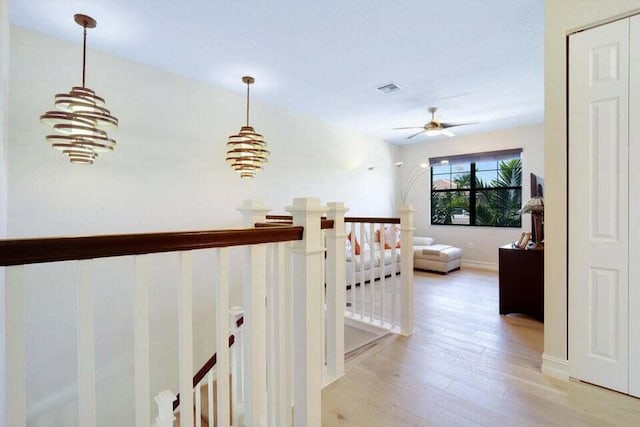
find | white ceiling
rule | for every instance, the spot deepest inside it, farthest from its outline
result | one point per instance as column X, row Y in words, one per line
column 476, row 60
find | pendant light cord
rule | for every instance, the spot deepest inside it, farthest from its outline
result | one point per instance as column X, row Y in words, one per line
column 248, row 84
column 84, row 52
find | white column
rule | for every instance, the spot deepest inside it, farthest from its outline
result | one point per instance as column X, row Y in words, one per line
column 336, row 288
column 254, row 334
column 406, row 269
column 308, row 303
column 165, row 417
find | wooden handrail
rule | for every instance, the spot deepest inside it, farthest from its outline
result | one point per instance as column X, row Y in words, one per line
column 208, row 365
column 286, row 219
column 374, row 220
column 325, row 224
column 32, row 251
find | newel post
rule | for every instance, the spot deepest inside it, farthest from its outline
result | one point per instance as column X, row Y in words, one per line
column 254, row 340
column 308, row 306
column 406, row 269
column 336, row 286
column 165, row 417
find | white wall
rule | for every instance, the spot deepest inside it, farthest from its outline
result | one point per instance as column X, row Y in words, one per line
column 4, row 98
column 479, row 244
column 168, row 170
column 167, row 173
column 561, row 16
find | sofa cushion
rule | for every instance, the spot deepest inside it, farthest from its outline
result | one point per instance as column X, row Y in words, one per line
column 422, row 241
column 442, row 253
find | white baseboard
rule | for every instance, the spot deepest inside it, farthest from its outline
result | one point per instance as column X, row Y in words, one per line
column 555, row 367
column 480, row 265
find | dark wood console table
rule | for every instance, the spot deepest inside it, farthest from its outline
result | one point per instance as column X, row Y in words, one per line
column 521, row 281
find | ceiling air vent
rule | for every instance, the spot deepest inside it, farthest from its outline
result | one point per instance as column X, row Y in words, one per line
column 389, row 88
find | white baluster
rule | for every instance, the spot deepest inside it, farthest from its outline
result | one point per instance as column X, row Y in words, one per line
column 222, row 339
column 198, row 397
column 237, row 404
column 336, row 298
column 280, row 366
column 210, row 407
column 353, row 278
column 383, row 277
column 165, row 417
column 255, row 318
column 86, row 346
column 406, row 269
column 372, row 273
column 16, row 401
column 141, row 345
column 185, row 340
column 394, row 278
column 272, row 391
column 363, row 253
column 308, row 255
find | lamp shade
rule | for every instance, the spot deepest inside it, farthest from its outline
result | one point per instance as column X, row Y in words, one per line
column 81, row 121
column 246, row 151
column 534, row 205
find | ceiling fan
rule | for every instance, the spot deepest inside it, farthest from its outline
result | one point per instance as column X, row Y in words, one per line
column 435, row 127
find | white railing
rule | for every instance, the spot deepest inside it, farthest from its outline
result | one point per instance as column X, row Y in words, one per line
column 379, row 278
column 274, row 372
column 275, row 364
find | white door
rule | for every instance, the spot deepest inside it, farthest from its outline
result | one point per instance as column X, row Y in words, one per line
column 634, row 209
column 598, row 206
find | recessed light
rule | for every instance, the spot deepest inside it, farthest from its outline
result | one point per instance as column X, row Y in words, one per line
column 389, row 88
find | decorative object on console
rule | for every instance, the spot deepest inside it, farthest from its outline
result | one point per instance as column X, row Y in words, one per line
column 535, row 207
column 247, row 150
column 82, row 118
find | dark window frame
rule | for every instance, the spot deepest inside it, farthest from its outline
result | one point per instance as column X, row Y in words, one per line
column 473, row 190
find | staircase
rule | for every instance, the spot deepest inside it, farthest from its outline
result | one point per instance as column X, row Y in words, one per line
column 293, row 280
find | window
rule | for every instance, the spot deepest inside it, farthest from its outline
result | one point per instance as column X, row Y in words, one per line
column 480, row 189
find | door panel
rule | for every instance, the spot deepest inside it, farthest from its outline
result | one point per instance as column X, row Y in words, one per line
column 634, row 210
column 598, row 205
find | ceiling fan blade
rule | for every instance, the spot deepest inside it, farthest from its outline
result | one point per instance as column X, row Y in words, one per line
column 414, row 127
column 451, row 125
column 447, row 132
column 416, row 134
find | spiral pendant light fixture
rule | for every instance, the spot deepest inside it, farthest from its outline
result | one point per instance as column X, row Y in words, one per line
column 247, row 150
column 81, row 120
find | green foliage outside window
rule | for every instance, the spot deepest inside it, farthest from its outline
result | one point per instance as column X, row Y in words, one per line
column 481, row 193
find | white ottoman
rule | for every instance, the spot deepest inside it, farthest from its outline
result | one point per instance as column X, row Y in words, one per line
column 439, row 258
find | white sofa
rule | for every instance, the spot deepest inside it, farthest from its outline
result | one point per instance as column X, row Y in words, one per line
column 364, row 260
column 426, row 256
column 357, row 263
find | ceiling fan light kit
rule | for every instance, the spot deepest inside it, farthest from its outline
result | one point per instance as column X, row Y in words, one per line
column 247, row 150
column 81, row 120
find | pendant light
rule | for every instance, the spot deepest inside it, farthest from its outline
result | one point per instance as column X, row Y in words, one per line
column 81, row 120
column 247, row 150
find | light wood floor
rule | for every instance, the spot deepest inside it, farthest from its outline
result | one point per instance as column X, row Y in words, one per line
column 465, row 366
